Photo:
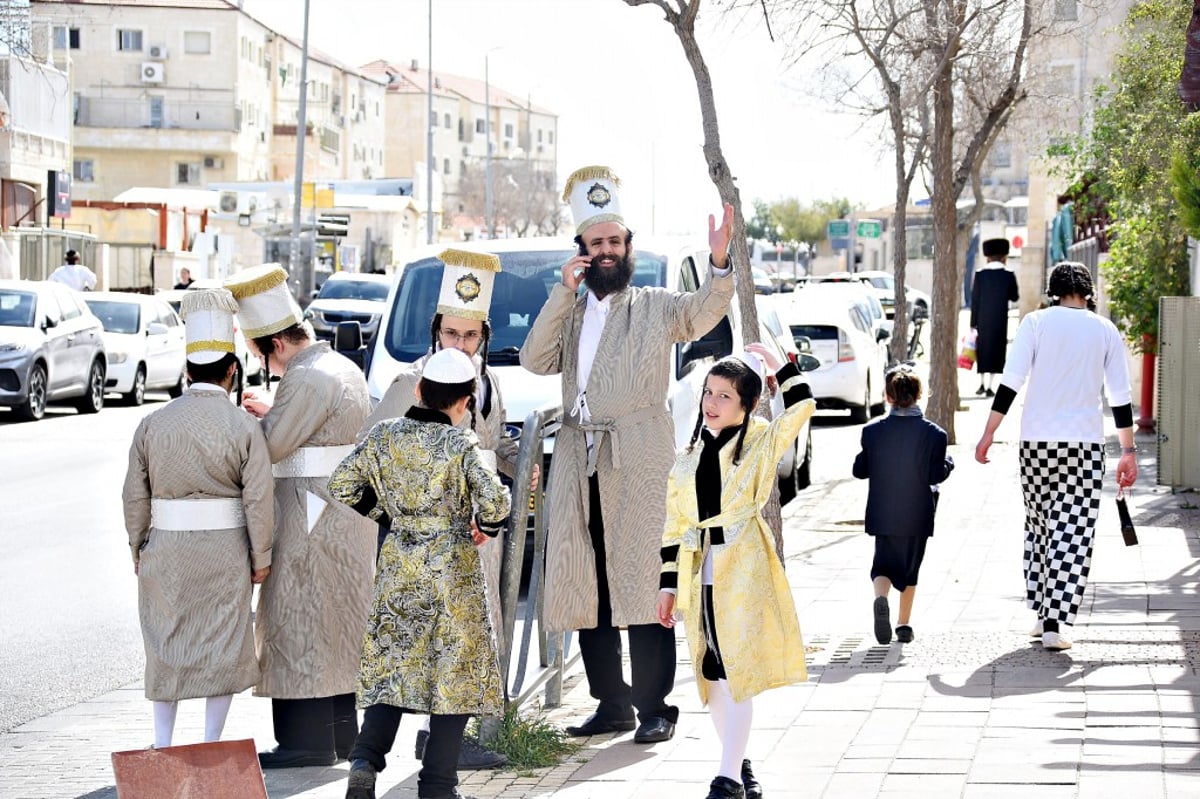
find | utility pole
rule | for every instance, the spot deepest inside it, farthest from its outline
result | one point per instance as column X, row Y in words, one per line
column 487, row 132
column 429, row 139
column 301, row 272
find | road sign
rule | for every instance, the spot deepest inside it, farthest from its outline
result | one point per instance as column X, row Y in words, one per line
column 869, row 229
column 839, row 228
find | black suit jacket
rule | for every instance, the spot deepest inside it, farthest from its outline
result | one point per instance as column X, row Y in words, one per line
column 903, row 456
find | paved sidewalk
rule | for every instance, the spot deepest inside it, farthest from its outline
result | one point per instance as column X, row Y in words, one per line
column 971, row 708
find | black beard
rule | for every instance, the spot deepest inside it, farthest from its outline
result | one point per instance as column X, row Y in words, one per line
column 604, row 280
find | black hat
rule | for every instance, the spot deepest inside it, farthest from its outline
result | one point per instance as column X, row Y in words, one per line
column 993, row 248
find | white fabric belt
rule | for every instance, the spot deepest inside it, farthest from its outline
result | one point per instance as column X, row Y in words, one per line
column 197, row 514
column 312, row 461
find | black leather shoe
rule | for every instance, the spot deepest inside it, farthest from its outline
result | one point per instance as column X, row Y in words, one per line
column 654, row 730
column 749, row 783
column 362, row 781
column 904, row 634
column 725, row 788
column 295, row 758
column 596, row 724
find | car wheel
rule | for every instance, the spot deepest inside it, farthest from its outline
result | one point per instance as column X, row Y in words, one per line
column 804, row 473
column 137, row 395
column 860, row 414
column 177, row 389
column 93, row 399
column 34, row 406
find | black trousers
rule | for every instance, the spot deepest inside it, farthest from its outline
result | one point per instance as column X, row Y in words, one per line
column 325, row 724
column 651, row 647
column 439, row 766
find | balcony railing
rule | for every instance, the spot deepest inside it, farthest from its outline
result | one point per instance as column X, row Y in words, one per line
column 108, row 112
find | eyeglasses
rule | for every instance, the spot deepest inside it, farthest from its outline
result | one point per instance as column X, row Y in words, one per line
column 470, row 337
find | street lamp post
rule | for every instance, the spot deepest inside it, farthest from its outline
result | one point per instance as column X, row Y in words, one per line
column 429, row 139
column 301, row 274
column 487, row 132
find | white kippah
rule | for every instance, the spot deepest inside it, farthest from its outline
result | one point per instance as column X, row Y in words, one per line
column 449, row 366
column 751, row 360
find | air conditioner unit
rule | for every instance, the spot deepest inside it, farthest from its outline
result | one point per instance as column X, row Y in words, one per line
column 153, row 72
column 213, row 162
column 228, row 202
column 158, row 52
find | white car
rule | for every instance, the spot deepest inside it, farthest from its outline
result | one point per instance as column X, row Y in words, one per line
column 852, row 352
column 349, row 297
column 145, row 343
column 883, row 284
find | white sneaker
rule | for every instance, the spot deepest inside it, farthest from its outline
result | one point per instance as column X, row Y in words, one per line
column 1056, row 641
column 1037, row 630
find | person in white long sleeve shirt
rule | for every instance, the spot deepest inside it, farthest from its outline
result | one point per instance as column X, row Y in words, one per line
column 74, row 274
column 1069, row 355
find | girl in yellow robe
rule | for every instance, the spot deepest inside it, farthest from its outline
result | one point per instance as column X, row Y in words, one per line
column 720, row 570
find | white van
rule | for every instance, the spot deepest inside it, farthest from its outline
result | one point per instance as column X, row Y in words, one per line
column 530, row 268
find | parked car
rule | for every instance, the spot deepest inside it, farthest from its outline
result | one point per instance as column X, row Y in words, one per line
column 530, row 268
column 842, row 336
column 144, row 341
column 762, row 281
column 883, row 285
column 51, row 349
column 349, row 297
column 252, row 368
column 795, row 469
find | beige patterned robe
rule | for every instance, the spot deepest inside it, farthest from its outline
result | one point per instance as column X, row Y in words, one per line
column 312, row 610
column 628, row 387
column 757, row 628
column 194, row 585
column 490, row 430
column 429, row 645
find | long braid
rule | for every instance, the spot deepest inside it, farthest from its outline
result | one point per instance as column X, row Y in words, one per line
column 697, row 429
column 737, row 452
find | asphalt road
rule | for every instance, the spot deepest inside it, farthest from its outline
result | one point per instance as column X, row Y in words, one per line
column 68, row 597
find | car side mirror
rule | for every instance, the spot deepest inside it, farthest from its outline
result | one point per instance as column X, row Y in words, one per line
column 808, row 363
column 348, row 337
column 803, row 344
column 49, row 323
column 315, row 292
column 156, row 329
column 882, row 334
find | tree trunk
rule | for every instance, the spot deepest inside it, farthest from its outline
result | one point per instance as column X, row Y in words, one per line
column 943, row 371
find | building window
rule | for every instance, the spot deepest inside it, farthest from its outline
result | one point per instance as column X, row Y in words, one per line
column 66, row 38
column 187, row 174
column 433, row 118
column 1062, row 82
column 1066, row 10
column 462, row 168
column 550, row 136
column 84, row 170
column 446, row 122
column 1001, row 156
column 129, row 40
column 197, row 42
column 446, row 166
column 508, row 130
column 480, row 126
column 539, row 135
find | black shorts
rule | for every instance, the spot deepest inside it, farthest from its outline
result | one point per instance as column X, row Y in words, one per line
column 898, row 558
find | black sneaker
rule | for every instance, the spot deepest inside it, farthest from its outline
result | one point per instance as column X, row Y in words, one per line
column 990, row 393
column 904, row 634
column 361, row 784
column 883, row 620
column 473, row 756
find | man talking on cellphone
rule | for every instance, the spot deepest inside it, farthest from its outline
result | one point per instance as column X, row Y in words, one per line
column 612, row 345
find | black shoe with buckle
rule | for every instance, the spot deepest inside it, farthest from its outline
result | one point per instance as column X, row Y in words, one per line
column 750, row 783
column 654, row 730
column 361, row 784
column 295, row 758
column 596, row 724
column 725, row 788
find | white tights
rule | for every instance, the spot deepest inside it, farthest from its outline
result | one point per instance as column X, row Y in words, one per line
column 216, row 710
column 732, row 720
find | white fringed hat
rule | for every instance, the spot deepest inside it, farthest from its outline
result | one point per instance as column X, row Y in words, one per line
column 208, row 324
column 467, row 282
column 450, row 365
column 265, row 306
column 594, row 196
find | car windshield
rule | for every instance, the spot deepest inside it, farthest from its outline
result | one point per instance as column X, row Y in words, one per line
column 17, row 308
column 520, row 290
column 354, row 290
column 117, row 317
column 882, row 283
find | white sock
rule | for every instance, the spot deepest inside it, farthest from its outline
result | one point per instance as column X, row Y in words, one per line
column 164, row 723
column 216, row 709
column 718, row 708
column 734, row 730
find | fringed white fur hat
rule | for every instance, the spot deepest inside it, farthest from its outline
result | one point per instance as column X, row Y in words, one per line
column 208, row 324
column 594, row 196
column 450, row 365
column 265, row 306
column 467, row 282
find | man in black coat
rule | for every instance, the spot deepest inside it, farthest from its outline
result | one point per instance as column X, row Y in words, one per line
column 994, row 288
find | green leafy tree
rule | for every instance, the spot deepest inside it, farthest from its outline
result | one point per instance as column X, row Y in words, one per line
column 1141, row 128
column 761, row 226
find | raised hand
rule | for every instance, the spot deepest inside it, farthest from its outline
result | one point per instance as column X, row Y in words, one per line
column 719, row 237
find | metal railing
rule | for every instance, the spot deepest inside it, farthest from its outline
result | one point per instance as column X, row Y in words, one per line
column 552, row 648
column 113, row 112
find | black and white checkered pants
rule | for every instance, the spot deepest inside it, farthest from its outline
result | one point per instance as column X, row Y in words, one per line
column 1061, row 484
